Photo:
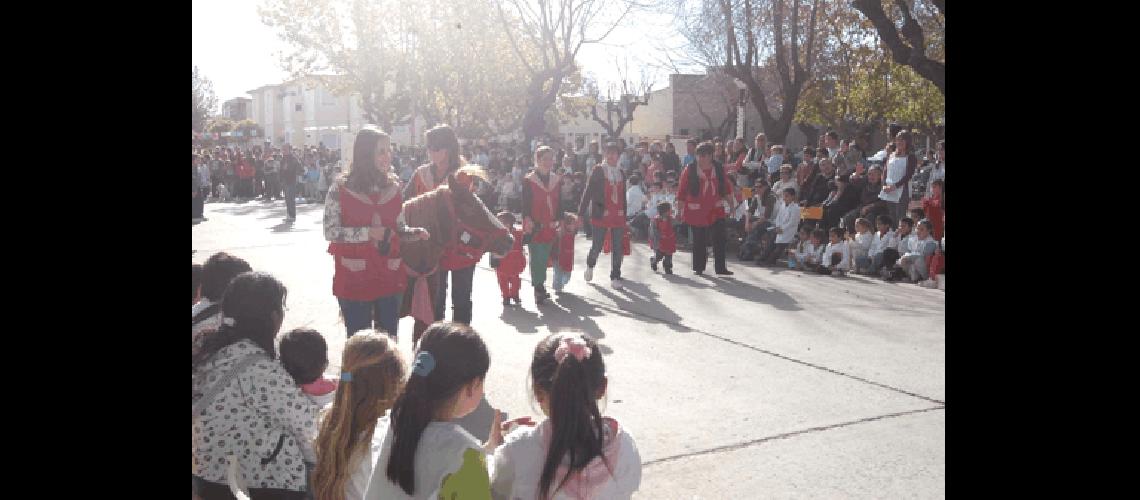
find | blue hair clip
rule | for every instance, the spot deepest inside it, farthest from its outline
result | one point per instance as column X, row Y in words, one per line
column 346, row 376
column 424, row 364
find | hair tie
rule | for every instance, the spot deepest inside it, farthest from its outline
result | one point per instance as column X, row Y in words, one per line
column 228, row 321
column 346, row 376
column 573, row 346
column 424, row 364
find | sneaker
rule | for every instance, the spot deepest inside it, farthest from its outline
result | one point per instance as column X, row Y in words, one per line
column 518, row 301
column 616, row 284
column 589, row 275
column 558, row 287
column 725, row 272
column 668, row 270
column 653, row 264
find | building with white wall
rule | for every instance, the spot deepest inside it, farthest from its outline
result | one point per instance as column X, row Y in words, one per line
column 237, row 109
column 304, row 111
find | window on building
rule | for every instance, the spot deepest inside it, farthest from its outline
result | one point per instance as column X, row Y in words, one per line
column 297, row 107
column 684, row 131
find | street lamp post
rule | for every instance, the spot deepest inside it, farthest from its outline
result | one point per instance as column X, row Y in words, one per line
column 740, row 107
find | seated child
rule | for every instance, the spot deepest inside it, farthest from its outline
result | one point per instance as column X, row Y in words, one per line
column 891, row 270
column 782, row 231
column 510, row 266
column 564, row 251
column 662, row 239
column 916, row 259
column 804, row 248
column 576, row 452
column 884, row 240
column 813, row 262
column 837, row 257
column 353, row 428
column 304, row 355
column 860, row 246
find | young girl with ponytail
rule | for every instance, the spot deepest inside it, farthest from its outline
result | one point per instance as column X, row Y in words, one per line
column 372, row 374
column 576, row 453
column 424, row 454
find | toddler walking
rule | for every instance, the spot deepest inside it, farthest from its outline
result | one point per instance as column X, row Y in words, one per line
column 662, row 238
column 564, row 250
column 510, row 266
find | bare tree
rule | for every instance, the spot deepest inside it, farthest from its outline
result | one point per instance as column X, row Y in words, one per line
column 205, row 101
column 552, row 32
column 913, row 51
column 620, row 102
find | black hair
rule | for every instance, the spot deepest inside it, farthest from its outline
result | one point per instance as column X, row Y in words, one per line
column 791, row 191
column 705, row 148
column 664, row 207
column 363, row 174
column 833, row 134
column 571, row 387
column 634, row 180
column 893, row 130
column 197, row 272
column 252, row 301
column 819, row 234
column 443, row 137
column 304, row 354
column 909, row 221
column 885, row 219
column 217, row 273
column 838, row 231
column 460, row 358
column 506, row 214
column 926, row 223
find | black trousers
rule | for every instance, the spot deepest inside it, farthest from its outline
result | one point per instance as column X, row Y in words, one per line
column 460, row 294
column 214, row 491
column 616, row 234
column 700, row 246
column 666, row 258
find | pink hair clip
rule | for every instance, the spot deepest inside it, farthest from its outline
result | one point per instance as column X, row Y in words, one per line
column 573, row 346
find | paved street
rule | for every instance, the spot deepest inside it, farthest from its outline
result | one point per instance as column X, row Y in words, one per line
column 772, row 384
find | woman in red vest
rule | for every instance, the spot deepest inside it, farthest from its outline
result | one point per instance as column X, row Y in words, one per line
column 245, row 174
column 443, row 150
column 361, row 210
column 704, row 186
column 604, row 200
column 541, row 208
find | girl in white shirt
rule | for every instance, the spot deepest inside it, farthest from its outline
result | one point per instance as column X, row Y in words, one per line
column 353, row 428
column 883, row 240
column 576, row 453
column 804, row 250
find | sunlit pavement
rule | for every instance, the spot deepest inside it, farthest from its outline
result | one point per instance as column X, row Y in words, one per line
column 769, row 384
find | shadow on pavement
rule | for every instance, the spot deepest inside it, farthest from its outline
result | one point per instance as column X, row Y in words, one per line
column 639, row 298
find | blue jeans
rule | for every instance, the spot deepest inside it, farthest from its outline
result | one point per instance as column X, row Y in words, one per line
column 384, row 312
column 561, row 278
column 616, row 254
column 291, row 199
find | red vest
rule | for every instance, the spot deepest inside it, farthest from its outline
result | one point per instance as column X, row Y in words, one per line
column 424, row 179
column 543, row 202
column 705, row 208
column 615, row 197
column 566, row 250
column 514, row 262
column 360, row 272
column 667, row 238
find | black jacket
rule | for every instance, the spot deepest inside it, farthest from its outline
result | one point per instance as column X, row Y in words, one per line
column 593, row 202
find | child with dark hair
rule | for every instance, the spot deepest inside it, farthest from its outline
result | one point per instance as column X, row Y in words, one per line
column 837, row 256
column 885, row 240
column 206, row 313
column 814, row 262
column 915, row 262
column 783, row 230
column 662, row 239
column 576, row 452
column 860, row 245
column 804, row 251
column 425, row 454
column 891, row 269
column 508, row 267
column 304, row 354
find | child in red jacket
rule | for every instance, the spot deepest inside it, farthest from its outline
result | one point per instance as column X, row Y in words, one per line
column 511, row 265
column 662, row 238
column 563, row 254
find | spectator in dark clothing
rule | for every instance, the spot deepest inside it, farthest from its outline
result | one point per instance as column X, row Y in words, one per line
column 868, row 204
column 815, row 190
column 671, row 161
column 290, row 169
column 845, row 199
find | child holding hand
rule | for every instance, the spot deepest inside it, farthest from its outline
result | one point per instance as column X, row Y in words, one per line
column 662, row 238
column 510, row 266
column 564, row 250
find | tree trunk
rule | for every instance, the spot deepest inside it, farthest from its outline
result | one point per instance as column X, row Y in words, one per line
column 912, row 55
